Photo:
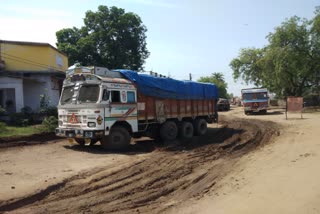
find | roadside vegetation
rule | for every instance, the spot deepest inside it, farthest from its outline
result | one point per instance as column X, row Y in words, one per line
column 110, row 37
column 217, row 78
column 48, row 125
column 27, row 122
column 9, row 131
column 289, row 64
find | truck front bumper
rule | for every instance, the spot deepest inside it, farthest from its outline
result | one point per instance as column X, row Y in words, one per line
column 79, row 133
column 249, row 109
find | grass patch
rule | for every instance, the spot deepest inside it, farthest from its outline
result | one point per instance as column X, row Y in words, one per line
column 12, row 131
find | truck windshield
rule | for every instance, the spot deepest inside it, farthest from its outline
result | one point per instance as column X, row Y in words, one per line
column 254, row 96
column 89, row 93
column 67, row 94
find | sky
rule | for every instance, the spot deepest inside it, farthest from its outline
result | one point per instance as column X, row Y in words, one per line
column 197, row 37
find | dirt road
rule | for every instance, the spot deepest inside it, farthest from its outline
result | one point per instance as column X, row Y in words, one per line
column 233, row 168
column 281, row 177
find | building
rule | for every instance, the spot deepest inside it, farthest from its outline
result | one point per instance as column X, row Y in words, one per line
column 27, row 71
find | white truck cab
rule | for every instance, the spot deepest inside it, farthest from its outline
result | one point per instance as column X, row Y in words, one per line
column 97, row 108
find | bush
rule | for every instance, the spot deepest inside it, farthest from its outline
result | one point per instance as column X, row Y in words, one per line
column 49, row 111
column 311, row 100
column 2, row 110
column 49, row 124
column 52, row 111
column 20, row 119
column 26, row 110
column 274, row 103
column 23, row 118
column 44, row 102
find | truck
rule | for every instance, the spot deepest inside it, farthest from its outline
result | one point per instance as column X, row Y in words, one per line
column 113, row 106
column 255, row 100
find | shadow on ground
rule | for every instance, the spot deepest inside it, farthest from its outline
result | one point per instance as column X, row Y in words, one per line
column 139, row 146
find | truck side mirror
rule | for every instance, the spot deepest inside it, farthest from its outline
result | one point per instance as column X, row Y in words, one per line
column 105, row 95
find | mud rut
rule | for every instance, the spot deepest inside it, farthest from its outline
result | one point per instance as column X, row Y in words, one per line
column 169, row 176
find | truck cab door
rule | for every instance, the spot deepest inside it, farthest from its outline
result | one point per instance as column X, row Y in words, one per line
column 105, row 101
column 129, row 99
column 122, row 107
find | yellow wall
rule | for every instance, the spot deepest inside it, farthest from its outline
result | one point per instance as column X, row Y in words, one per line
column 21, row 57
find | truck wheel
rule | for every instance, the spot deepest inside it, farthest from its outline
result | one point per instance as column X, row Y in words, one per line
column 82, row 143
column 168, row 131
column 263, row 111
column 79, row 141
column 93, row 141
column 186, row 130
column 200, row 127
column 118, row 139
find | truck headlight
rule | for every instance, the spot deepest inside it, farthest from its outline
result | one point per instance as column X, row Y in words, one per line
column 91, row 124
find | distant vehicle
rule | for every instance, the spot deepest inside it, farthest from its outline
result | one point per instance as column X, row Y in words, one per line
column 255, row 100
column 223, row 104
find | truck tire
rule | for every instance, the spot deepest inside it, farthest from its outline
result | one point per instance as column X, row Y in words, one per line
column 263, row 111
column 168, row 131
column 200, row 127
column 82, row 143
column 186, row 130
column 118, row 139
column 79, row 141
column 93, row 141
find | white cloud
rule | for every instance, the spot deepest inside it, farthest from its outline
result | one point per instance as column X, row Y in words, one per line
column 31, row 29
column 33, row 24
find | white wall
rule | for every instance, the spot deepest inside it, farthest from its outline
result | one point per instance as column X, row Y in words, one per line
column 54, row 92
column 28, row 90
column 32, row 90
column 36, row 86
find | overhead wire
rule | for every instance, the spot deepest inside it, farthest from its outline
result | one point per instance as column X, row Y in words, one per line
column 27, row 61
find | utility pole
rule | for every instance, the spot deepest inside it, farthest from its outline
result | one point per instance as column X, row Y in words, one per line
column 0, row 49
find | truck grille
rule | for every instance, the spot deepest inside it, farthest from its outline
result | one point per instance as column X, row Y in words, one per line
column 73, row 126
column 73, row 119
column 78, row 117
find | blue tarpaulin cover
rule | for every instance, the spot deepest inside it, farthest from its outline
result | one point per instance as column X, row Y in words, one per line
column 170, row 88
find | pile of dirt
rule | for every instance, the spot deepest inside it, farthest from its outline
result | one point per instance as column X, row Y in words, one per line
column 169, row 176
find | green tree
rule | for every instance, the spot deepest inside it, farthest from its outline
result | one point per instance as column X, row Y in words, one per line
column 230, row 96
column 110, row 37
column 217, row 78
column 290, row 64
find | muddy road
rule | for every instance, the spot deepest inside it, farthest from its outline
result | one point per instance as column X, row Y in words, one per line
column 148, row 178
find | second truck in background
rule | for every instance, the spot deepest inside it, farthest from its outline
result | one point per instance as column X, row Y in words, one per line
column 255, row 100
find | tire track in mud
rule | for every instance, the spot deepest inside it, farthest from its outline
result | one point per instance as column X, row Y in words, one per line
column 170, row 175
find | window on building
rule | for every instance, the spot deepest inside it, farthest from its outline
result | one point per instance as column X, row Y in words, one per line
column 8, row 99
